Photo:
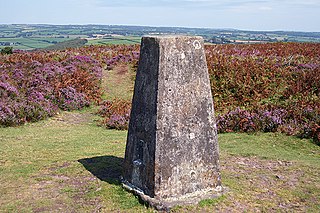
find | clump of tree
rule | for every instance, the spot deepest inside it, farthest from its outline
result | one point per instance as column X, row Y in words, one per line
column 78, row 42
column 6, row 51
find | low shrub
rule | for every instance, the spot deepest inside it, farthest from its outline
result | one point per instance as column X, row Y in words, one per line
column 34, row 85
column 304, row 124
column 33, row 90
column 70, row 99
column 115, row 113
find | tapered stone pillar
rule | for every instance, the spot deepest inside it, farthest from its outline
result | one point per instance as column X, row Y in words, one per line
column 172, row 155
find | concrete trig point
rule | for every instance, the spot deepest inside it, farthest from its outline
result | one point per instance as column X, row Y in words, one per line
column 172, row 155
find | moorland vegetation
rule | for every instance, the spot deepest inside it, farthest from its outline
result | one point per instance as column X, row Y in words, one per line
column 273, row 87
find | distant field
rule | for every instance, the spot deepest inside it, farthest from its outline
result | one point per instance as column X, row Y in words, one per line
column 31, row 43
column 115, row 40
column 43, row 42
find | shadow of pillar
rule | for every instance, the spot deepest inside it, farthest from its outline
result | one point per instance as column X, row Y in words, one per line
column 105, row 168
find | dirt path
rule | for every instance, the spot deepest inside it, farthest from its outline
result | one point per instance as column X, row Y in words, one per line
column 119, row 82
column 270, row 185
column 116, row 83
column 54, row 185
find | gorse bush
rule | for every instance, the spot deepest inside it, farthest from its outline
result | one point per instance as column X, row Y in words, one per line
column 7, row 50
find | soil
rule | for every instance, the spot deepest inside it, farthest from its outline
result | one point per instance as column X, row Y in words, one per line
column 66, row 193
column 267, row 181
column 72, row 118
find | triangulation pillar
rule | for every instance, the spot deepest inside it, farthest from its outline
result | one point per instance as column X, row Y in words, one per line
column 172, row 155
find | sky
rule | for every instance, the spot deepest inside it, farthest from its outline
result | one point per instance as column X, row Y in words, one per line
column 291, row 15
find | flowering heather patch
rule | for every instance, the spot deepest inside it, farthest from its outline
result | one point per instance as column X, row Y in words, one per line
column 116, row 114
column 70, row 99
column 305, row 125
column 259, row 87
column 277, row 84
column 34, row 85
column 251, row 121
column 276, row 74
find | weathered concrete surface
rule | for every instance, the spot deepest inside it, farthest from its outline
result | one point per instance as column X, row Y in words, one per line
column 172, row 152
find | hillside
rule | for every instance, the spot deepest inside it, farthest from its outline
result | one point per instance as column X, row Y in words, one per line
column 36, row 36
column 60, row 110
column 67, row 163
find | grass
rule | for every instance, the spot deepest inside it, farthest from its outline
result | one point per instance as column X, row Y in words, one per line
column 69, row 164
column 42, row 160
column 274, row 147
column 65, row 164
column 118, row 83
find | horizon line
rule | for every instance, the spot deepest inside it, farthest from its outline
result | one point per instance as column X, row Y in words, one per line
column 134, row 25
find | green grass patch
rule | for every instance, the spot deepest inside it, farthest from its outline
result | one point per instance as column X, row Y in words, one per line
column 271, row 146
column 22, row 43
column 211, row 202
column 118, row 83
column 69, row 163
